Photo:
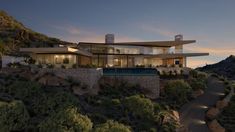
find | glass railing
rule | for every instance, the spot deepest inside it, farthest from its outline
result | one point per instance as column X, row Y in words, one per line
column 130, row 71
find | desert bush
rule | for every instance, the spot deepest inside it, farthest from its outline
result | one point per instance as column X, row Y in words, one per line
column 24, row 90
column 66, row 120
column 13, row 116
column 197, row 84
column 177, row 93
column 227, row 117
column 112, row 126
column 139, row 106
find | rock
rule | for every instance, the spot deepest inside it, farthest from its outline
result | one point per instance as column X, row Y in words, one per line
column 212, row 113
column 214, row 126
column 221, row 104
column 175, row 115
column 197, row 93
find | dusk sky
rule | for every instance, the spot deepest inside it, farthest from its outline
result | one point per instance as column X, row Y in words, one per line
column 210, row 22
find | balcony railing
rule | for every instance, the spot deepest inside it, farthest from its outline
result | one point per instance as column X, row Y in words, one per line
column 130, row 71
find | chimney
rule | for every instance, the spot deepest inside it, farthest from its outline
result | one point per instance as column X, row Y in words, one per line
column 109, row 38
column 178, row 37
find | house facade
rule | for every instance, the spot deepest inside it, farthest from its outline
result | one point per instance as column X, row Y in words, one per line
column 120, row 55
column 139, row 54
column 58, row 56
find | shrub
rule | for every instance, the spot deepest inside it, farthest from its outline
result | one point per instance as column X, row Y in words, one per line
column 193, row 73
column 197, row 84
column 177, row 93
column 52, row 103
column 112, row 126
column 63, row 66
column 139, row 106
column 13, row 116
column 24, row 90
column 66, row 120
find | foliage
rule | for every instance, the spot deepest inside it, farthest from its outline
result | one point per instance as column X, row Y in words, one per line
column 227, row 117
column 139, row 106
column 68, row 120
column 24, row 90
column 197, row 84
column 112, row 126
column 13, row 116
column 119, row 89
column 177, row 93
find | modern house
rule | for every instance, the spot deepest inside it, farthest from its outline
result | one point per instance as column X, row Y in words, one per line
column 111, row 54
column 139, row 54
column 58, row 56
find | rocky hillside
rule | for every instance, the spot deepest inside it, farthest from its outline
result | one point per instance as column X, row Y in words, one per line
column 14, row 34
column 225, row 67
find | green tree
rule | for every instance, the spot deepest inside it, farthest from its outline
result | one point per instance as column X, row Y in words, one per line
column 112, row 126
column 13, row 116
column 68, row 120
column 139, row 106
column 177, row 92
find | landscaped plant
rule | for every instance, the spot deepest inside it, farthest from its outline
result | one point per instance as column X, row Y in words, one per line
column 177, row 93
column 13, row 116
column 112, row 126
column 68, row 119
column 227, row 117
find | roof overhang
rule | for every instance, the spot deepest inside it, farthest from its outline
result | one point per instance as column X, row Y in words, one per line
column 170, row 55
column 147, row 43
column 55, row 50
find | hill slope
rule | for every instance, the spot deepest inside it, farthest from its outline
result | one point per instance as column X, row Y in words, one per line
column 14, row 34
column 225, row 67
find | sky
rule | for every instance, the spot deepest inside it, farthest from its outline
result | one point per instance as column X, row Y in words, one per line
column 210, row 22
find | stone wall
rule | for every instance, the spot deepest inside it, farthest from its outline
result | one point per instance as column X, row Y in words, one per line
column 88, row 76
column 149, row 84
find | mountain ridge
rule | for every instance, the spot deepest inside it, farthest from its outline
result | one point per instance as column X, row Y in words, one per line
column 225, row 67
column 13, row 34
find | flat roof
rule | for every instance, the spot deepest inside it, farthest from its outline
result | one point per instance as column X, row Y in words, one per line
column 147, row 43
column 170, row 55
column 50, row 50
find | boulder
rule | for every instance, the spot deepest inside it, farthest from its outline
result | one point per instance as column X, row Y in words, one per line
column 175, row 115
column 214, row 126
column 221, row 104
column 212, row 113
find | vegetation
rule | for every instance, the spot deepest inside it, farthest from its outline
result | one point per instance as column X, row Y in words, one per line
column 112, row 126
column 13, row 116
column 121, row 107
column 66, row 120
column 177, row 93
column 14, row 35
column 227, row 117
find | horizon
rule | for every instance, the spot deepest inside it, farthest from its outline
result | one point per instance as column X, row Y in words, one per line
column 210, row 24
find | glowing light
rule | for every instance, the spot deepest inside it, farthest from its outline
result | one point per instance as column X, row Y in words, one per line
column 203, row 106
column 201, row 122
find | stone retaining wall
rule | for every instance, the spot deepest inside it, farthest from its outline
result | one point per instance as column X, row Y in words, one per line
column 88, row 76
column 149, row 84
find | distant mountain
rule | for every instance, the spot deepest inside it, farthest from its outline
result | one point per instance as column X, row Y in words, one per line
column 14, row 35
column 225, row 67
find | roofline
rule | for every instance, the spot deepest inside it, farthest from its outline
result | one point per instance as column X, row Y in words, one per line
column 170, row 55
column 147, row 43
column 54, row 50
